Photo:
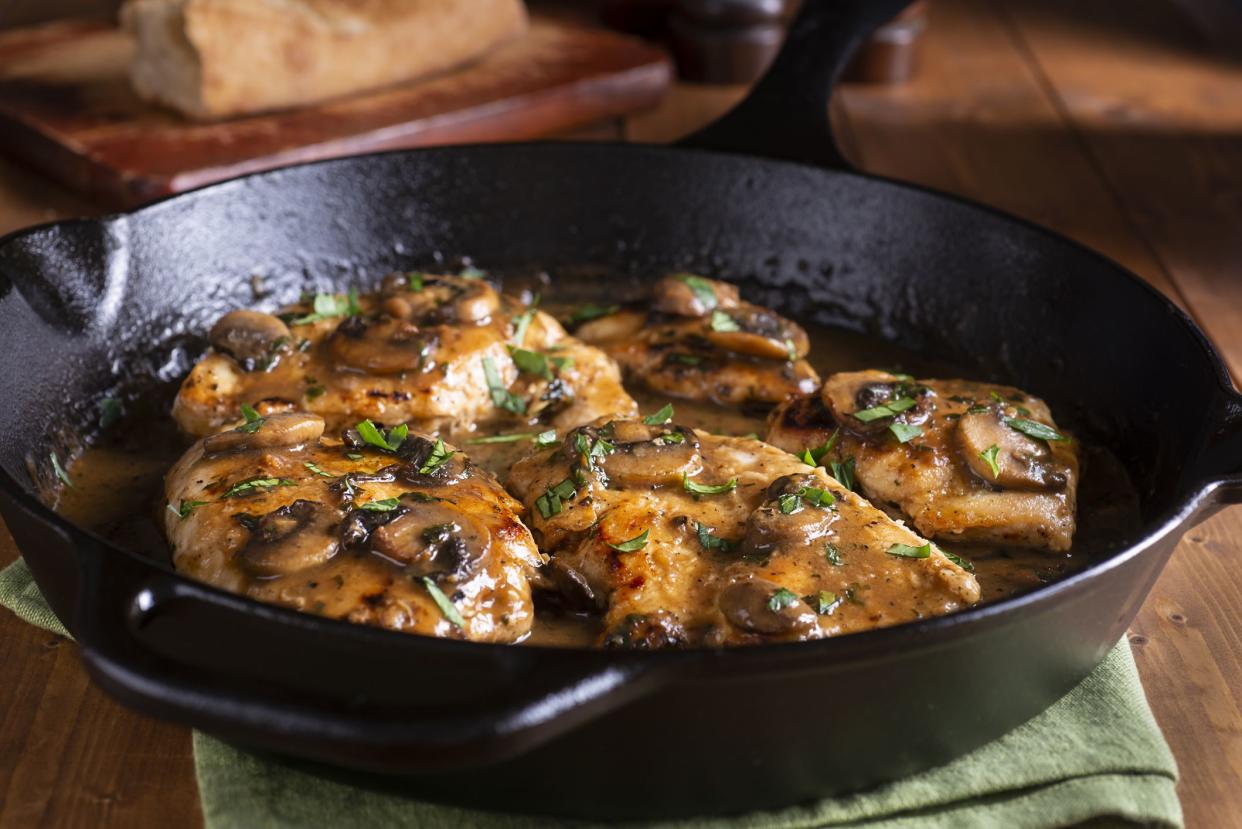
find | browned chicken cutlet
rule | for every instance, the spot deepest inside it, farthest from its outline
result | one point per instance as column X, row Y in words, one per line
column 680, row 538
column 697, row 339
column 964, row 461
column 410, row 537
column 447, row 355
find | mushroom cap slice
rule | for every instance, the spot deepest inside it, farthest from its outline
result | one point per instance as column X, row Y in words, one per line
column 252, row 338
column 757, row 332
column 688, row 295
column 433, row 537
column 1022, row 462
column 291, row 538
column 433, row 299
column 277, row 431
column 640, row 454
column 381, row 346
column 753, row 606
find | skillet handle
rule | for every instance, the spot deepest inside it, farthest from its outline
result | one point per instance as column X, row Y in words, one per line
column 1224, row 453
column 785, row 116
column 382, row 701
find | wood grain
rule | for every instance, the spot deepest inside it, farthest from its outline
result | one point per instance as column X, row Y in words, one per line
column 66, row 108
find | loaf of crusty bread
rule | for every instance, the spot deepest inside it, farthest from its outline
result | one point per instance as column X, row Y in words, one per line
column 219, row 58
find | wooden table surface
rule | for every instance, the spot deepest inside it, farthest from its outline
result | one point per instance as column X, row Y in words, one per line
column 1124, row 132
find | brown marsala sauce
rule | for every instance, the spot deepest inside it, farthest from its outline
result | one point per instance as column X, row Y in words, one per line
column 118, row 481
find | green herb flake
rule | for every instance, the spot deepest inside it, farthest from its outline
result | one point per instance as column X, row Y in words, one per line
column 907, row 551
column 782, row 599
column 330, row 305
column 314, row 391
column 531, row 362
column 502, row 398
column 701, row 287
column 965, row 564
column 844, row 472
column 382, row 505
column 707, row 489
column 546, row 438
column 510, row 438
column 414, row 281
column 60, row 470
column 1035, row 429
column 708, row 541
column 669, row 438
column 110, row 411
column 588, row 312
column 791, row 351
column 442, row 602
column 824, row 602
column 904, row 432
column 661, row 417
column 185, row 508
column 438, row 457
column 315, row 468
column 353, row 456
column 812, row 456
column 471, row 272
column 686, row 359
column 720, row 321
column 389, row 442
column 989, row 457
column 833, row 554
column 889, row 409
column 254, row 421
column 252, row 484
column 633, row 545
column 816, row 497
column 549, row 503
column 789, row 503
column 522, row 322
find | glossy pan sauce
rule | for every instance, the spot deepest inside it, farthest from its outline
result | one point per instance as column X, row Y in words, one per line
column 117, row 487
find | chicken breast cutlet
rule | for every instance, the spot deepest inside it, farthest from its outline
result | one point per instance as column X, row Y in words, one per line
column 964, row 461
column 697, row 339
column 388, row 529
column 443, row 354
column 680, row 537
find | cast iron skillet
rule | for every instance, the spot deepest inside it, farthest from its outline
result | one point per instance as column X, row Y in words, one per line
column 91, row 308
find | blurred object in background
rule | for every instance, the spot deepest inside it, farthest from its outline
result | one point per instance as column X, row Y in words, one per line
column 733, row 41
column 25, row 12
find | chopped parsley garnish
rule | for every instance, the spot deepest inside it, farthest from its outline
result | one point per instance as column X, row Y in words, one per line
column 965, row 564
column 844, row 472
column 669, row 438
column 60, row 470
column 712, row 542
column 109, row 412
column 701, row 287
column 252, row 484
column 686, row 359
column 442, row 602
column 414, row 281
column 331, row 305
column 510, row 438
column 789, row 502
column 314, row 391
column 661, row 417
column 588, row 312
column 907, row 551
column 549, row 503
column 438, row 457
column 522, row 321
column 546, row 438
column 185, row 508
column 353, row 456
column 254, row 421
column 782, row 599
column 721, row 321
column 890, row 409
column 904, row 432
column 531, row 362
column 502, row 398
column 791, row 351
column 996, row 396
column 383, row 505
column 989, row 457
column 810, row 495
column 978, row 409
column 471, row 272
column 833, row 555
column 824, row 602
column 634, row 544
column 707, row 489
column 1035, row 429
column 811, row 456
column 315, row 468
column 389, row 442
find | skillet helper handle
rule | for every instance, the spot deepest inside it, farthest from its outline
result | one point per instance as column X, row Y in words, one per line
column 1225, row 452
column 188, row 652
column 785, row 116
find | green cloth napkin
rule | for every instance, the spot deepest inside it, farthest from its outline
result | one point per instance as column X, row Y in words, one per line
column 1096, row 755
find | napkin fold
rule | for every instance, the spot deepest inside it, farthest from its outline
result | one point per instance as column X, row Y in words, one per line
column 1095, row 755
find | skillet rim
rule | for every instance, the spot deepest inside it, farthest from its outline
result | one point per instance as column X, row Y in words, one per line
column 855, row 647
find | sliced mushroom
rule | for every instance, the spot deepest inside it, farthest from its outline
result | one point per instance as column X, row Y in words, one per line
column 848, row 393
column 433, row 299
column 612, row 327
column 786, row 520
column 759, row 333
column 687, row 295
column 292, row 538
column 252, row 338
column 433, row 537
column 1022, row 462
column 381, row 346
column 423, row 466
column 758, row 606
column 646, row 631
column 632, row 453
column 277, row 431
column 570, row 589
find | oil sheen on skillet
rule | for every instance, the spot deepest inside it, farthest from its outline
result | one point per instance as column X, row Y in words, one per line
column 678, row 528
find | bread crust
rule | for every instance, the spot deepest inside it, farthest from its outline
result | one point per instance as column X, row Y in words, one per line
column 219, row 58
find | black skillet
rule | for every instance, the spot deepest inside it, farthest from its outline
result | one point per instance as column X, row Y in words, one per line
column 91, row 308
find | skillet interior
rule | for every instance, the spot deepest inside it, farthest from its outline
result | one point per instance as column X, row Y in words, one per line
column 88, row 307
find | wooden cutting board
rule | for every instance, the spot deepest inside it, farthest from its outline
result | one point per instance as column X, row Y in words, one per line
column 66, row 108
